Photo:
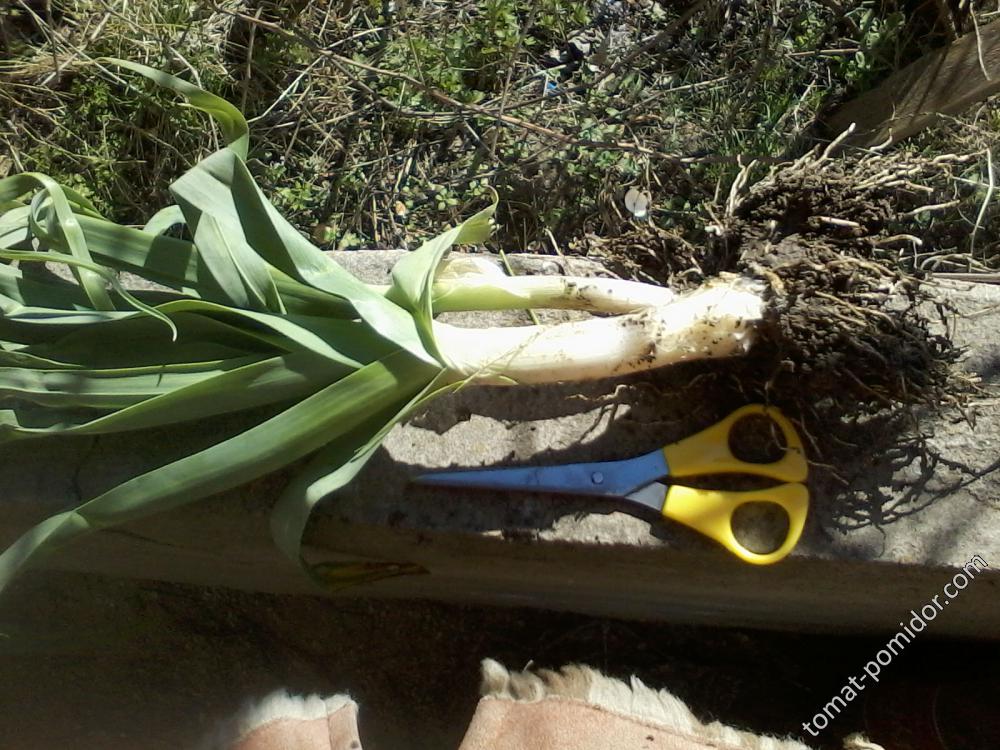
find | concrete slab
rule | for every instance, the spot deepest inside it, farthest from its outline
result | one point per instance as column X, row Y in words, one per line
column 887, row 530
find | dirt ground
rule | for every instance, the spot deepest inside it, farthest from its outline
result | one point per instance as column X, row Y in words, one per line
column 88, row 662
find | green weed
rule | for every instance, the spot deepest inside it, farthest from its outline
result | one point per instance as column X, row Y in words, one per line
column 342, row 148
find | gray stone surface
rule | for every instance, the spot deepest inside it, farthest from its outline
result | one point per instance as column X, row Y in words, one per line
column 885, row 532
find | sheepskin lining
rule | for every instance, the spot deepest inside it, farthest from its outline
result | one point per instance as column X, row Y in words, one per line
column 634, row 700
column 279, row 704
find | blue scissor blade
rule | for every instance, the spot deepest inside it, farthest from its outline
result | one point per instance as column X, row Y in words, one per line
column 611, row 478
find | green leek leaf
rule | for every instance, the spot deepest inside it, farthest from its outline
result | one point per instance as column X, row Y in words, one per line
column 221, row 185
column 299, row 430
column 163, row 220
column 239, row 271
column 235, row 386
column 232, row 122
column 413, row 275
column 340, row 461
column 247, row 315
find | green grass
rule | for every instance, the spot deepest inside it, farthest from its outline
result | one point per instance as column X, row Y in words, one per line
column 363, row 159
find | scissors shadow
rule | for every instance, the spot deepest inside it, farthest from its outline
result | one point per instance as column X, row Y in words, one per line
column 527, row 426
column 865, row 470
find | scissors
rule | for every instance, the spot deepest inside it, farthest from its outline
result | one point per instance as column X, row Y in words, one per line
column 647, row 480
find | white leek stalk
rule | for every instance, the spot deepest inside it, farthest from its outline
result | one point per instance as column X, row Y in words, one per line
column 716, row 320
column 470, row 282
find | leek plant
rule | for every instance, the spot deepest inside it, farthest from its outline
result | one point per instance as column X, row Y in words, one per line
column 248, row 313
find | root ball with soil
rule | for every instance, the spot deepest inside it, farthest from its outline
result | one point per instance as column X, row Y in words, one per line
column 849, row 322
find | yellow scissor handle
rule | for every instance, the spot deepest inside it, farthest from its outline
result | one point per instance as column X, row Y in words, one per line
column 708, row 451
column 711, row 513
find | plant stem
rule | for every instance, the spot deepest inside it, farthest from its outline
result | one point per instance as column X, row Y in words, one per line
column 717, row 320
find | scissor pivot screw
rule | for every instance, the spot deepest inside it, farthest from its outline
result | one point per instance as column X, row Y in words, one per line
column 597, row 477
